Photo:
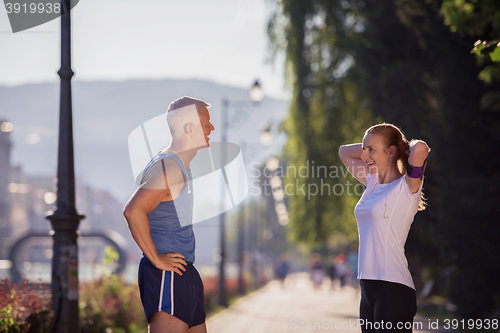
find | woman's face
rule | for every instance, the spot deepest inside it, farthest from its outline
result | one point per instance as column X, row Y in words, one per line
column 376, row 157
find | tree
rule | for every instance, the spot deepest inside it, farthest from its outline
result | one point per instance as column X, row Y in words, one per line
column 325, row 112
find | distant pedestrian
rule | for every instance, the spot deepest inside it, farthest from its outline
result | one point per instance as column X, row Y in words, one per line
column 341, row 268
column 332, row 274
column 317, row 270
column 392, row 169
column 352, row 259
column 282, row 270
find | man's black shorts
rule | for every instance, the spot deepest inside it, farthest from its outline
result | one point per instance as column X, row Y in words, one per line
column 179, row 295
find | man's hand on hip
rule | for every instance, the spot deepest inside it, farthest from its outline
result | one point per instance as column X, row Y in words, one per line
column 171, row 262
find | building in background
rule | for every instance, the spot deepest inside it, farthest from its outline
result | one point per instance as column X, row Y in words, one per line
column 25, row 201
column 5, row 147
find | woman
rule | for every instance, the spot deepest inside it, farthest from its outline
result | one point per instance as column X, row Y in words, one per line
column 392, row 170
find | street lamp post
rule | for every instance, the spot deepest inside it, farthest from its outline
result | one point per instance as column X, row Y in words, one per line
column 241, row 238
column 265, row 139
column 222, row 287
column 241, row 250
column 65, row 218
column 256, row 95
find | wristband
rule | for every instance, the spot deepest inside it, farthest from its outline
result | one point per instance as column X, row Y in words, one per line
column 416, row 172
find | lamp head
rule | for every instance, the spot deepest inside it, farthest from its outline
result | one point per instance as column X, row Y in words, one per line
column 256, row 93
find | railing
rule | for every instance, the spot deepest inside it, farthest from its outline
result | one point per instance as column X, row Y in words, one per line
column 95, row 239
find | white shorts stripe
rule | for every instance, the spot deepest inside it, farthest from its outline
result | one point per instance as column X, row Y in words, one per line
column 161, row 290
column 172, row 292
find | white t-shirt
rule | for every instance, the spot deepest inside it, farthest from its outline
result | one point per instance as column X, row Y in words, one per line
column 382, row 240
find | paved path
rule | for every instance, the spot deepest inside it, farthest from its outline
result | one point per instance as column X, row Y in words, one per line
column 296, row 308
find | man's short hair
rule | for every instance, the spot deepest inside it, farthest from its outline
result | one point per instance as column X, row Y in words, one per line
column 179, row 114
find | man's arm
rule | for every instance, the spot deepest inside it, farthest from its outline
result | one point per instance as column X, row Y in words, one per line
column 144, row 200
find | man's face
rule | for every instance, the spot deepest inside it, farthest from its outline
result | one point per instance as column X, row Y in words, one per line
column 206, row 125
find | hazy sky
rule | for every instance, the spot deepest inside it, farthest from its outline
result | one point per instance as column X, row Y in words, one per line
column 220, row 40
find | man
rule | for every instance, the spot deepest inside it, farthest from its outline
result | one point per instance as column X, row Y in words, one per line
column 159, row 215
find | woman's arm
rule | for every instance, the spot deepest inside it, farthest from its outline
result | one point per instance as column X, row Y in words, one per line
column 419, row 151
column 351, row 156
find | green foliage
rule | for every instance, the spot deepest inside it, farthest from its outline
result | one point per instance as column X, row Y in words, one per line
column 488, row 54
column 108, row 303
column 325, row 113
column 24, row 308
column 476, row 18
column 8, row 323
column 110, row 257
column 109, row 261
column 495, row 54
column 489, row 49
column 475, row 249
column 481, row 19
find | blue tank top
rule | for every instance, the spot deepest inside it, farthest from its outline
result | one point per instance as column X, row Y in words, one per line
column 165, row 220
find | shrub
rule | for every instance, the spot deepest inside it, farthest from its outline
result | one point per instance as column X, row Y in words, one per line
column 109, row 305
column 24, row 308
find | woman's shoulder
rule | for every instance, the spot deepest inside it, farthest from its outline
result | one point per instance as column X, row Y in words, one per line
column 404, row 187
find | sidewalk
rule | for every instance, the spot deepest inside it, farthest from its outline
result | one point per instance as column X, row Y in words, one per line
column 296, row 308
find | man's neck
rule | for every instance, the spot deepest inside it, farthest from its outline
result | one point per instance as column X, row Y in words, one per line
column 186, row 154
